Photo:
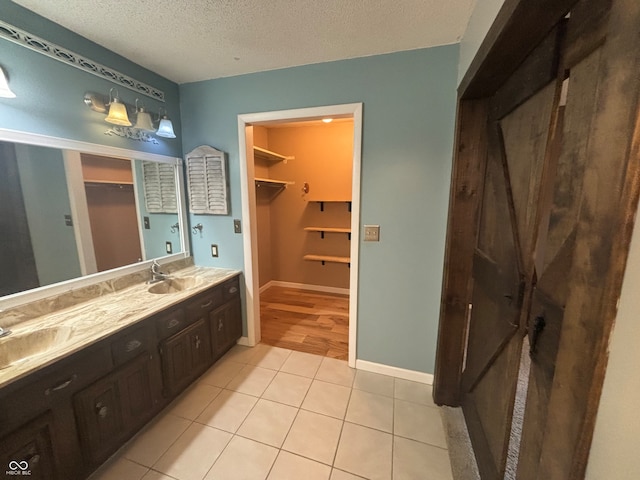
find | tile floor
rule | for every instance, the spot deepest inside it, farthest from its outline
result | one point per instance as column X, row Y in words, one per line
column 268, row 413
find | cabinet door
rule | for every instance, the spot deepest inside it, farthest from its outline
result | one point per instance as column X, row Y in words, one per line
column 30, row 449
column 113, row 408
column 184, row 356
column 99, row 418
column 226, row 327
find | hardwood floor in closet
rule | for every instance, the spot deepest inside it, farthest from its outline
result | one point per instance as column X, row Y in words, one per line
column 305, row 321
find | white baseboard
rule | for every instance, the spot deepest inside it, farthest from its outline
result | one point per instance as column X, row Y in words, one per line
column 395, row 372
column 244, row 341
column 304, row 286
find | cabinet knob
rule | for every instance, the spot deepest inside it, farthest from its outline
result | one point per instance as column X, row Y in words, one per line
column 101, row 410
column 132, row 345
column 198, row 341
column 233, row 289
column 34, row 460
column 220, row 325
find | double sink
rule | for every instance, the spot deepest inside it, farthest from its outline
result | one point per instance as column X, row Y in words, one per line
column 20, row 346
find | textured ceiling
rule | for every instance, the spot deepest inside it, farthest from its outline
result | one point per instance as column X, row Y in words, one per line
column 192, row 40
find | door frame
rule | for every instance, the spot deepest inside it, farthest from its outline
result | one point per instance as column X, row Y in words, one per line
column 249, row 236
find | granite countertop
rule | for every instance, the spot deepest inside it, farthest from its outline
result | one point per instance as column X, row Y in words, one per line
column 71, row 329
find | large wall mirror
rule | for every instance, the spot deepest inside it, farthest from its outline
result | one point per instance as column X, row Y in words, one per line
column 71, row 210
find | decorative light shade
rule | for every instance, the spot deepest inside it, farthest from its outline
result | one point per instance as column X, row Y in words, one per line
column 165, row 129
column 143, row 121
column 5, row 91
column 118, row 113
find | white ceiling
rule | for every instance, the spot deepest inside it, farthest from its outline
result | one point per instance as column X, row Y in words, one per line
column 192, row 40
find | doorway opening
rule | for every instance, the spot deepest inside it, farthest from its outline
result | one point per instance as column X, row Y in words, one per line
column 300, row 193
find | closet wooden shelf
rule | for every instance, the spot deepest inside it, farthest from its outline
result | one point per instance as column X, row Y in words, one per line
column 328, row 258
column 324, row 230
column 269, row 156
column 332, row 200
column 270, row 182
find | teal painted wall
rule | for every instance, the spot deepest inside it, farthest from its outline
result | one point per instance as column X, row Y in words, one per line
column 49, row 92
column 409, row 113
column 46, row 201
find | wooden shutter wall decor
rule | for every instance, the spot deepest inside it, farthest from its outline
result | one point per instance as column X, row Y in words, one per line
column 159, row 181
column 207, row 181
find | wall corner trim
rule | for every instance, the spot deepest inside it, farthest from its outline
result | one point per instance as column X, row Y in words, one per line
column 396, row 372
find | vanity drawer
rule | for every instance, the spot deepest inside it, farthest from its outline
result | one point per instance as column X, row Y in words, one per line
column 204, row 303
column 131, row 344
column 231, row 289
column 169, row 323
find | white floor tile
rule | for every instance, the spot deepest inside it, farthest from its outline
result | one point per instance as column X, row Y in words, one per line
column 365, row 452
column 336, row 371
column 243, row 459
column 221, row 373
column 414, row 392
column 252, row 380
column 267, row 356
column 269, row 422
column 370, row 410
column 327, row 399
column 153, row 475
column 193, row 401
column 193, row 454
column 303, row 364
column 227, row 411
column 413, row 460
column 287, row 388
column 119, row 468
column 419, row 422
column 314, row 436
column 289, row 467
column 239, row 354
column 147, row 447
column 340, row 475
column 374, row 383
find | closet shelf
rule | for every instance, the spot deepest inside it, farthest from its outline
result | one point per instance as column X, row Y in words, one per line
column 269, row 156
column 109, row 182
column 324, row 230
column 270, row 182
column 332, row 200
column 328, row 258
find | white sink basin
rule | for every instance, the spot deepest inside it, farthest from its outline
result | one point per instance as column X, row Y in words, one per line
column 174, row 285
column 20, row 346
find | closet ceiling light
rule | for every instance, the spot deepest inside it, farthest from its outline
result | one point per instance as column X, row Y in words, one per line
column 327, row 120
column 5, row 91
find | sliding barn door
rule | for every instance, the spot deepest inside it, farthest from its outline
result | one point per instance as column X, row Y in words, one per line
column 557, row 196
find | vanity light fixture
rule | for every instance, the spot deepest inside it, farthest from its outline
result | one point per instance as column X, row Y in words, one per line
column 165, row 127
column 5, row 91
column 117, row 111
column 143, row 119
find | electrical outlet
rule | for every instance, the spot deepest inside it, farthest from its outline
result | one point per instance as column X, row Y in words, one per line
column 214, row 250
column 169, row 247
column 68, row 221
column 372, row 233
column 147, row 225
column 237, row 226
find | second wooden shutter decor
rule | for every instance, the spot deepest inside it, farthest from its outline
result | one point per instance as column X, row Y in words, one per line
column 159, row 181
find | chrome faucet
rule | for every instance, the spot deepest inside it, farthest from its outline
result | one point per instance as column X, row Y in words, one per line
column 156, row 274
column 4, row 333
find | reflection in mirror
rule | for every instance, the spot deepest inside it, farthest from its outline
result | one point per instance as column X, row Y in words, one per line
column 65, row 214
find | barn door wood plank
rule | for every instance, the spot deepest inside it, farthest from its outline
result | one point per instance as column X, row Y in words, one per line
column 608, row 205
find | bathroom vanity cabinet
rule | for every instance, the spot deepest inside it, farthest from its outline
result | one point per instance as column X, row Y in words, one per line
column 67, row 418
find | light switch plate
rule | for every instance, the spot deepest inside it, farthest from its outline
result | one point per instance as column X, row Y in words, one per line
column 168, row 247
column 214, row 250
column 372, row 233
